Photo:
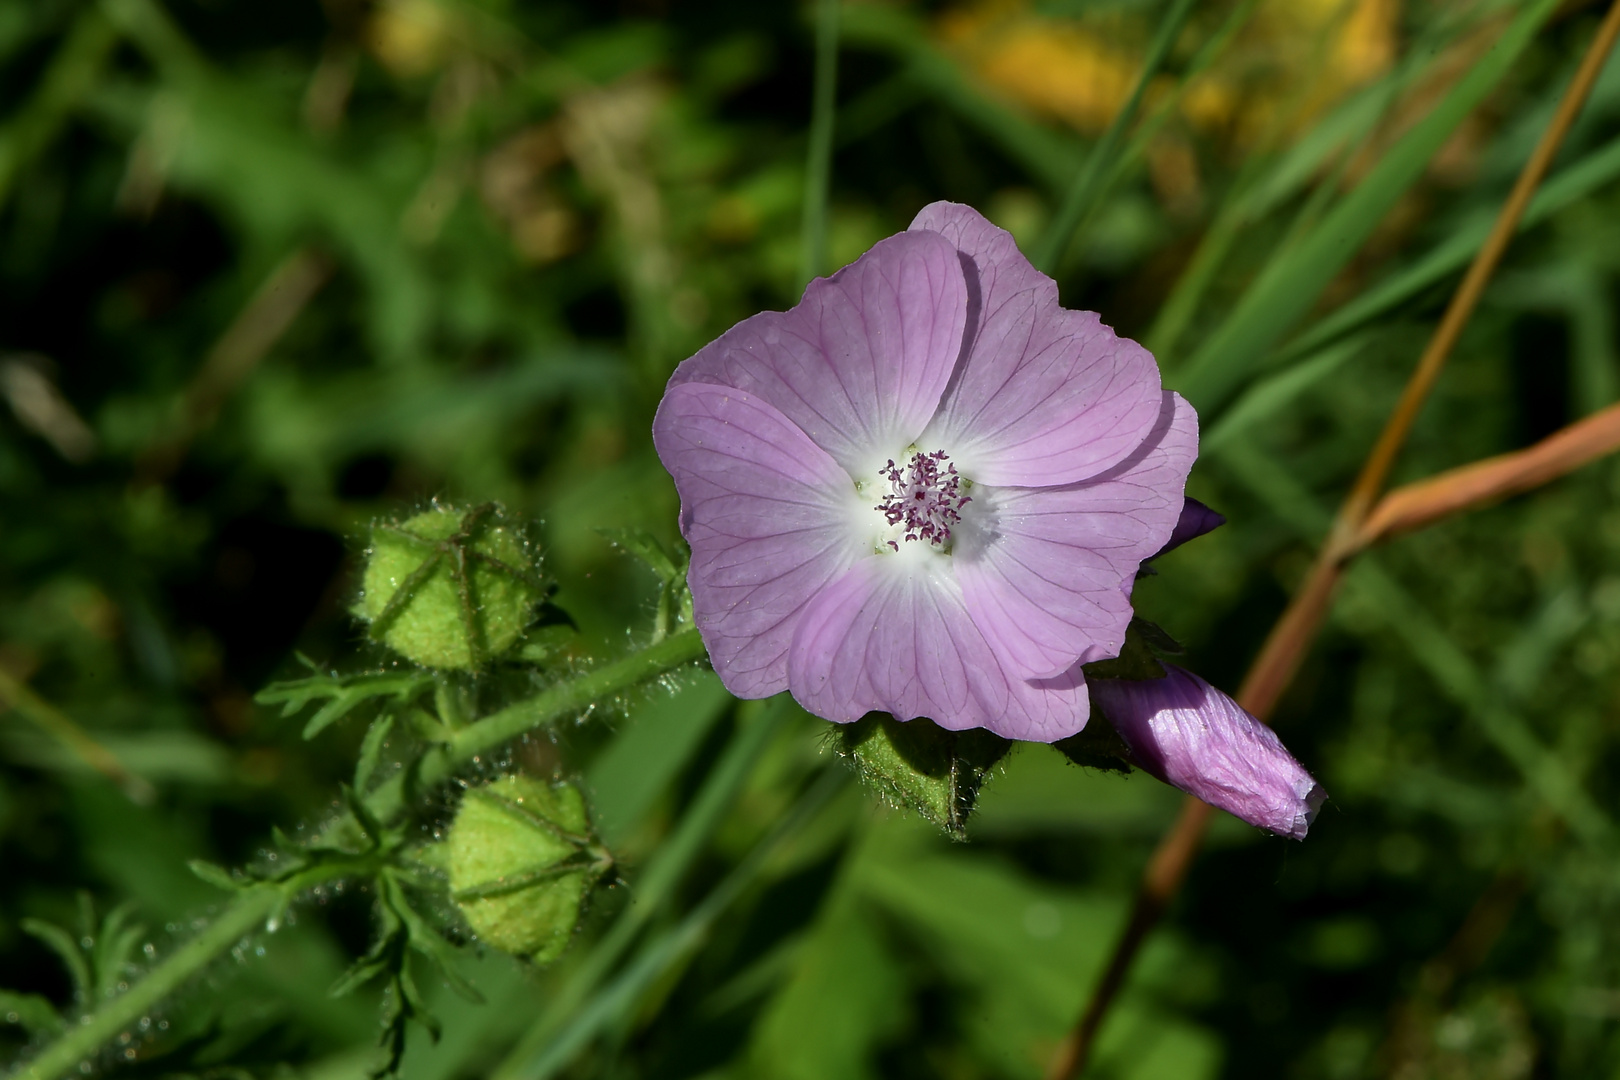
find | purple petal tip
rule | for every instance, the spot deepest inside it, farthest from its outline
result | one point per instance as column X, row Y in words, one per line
column 1196, row 520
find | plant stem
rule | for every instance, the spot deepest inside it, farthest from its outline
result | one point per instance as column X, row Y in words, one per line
column 1274, row 668
column 389, row 799
column 818, row 164
column 663, row 873
column 246, row 913
column 252, row 907
column 667, row 949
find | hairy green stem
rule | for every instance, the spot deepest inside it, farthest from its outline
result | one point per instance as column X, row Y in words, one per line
column 390, row 798
column 249, row 911
column 818, row 165
column 254, row 906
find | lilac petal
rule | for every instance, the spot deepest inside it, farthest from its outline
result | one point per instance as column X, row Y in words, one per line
column 1047, row 572
column 1045, row 396
column 1196, row 520
column 767, row 513
column 893, row 636
column 860, row 363
column 1189, row 734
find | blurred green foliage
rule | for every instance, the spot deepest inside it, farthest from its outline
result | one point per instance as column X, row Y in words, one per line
column 272, row 272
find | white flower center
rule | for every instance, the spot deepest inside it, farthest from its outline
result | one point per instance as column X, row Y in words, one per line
column 922, row 502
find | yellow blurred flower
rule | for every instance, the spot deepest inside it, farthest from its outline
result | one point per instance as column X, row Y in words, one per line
column 411, row 37
column 1293, row 59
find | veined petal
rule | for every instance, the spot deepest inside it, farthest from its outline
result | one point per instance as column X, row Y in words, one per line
column 1043, row 396
column 1189, row 734
column 768, row 515
column 860, row 363
column 894, row 636
column 1047, row 572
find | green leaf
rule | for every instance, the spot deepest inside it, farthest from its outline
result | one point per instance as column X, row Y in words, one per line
column 649, row 549
column 1595, row 170
column 371, row 748
column 658, row 741
column 426, row 940
column 845, row 997
column 1084, row 192
column 1137, row 658
column 1272, row 395
column 67, row 948
column 1293, row 280
column 32, row 1013
column 115, row 944
column 359, row 973
column 215, row 875
column 343, row 693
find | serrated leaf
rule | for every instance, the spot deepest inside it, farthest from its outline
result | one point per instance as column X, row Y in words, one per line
column 215, row 875
column 428, row 941
column 359, row 973
column 114, row 945
column 368, row 822
column 425, row 726
column 647, row 547
column 64, row 945
column 370, row 751
column 32, row 1013
column 342, row 693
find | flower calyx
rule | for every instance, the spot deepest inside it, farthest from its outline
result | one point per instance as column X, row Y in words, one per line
column 921, row 767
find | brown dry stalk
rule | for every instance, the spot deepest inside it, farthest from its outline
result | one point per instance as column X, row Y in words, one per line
column 1294, row 633
column 1423, row 503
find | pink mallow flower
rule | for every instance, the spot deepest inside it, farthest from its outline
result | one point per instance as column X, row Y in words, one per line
column 925, row 490
column 1189, row 734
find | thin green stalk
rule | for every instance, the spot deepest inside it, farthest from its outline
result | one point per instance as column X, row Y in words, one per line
column 391, row 797
column 665, row 951
column 818, row 166
column 252, row 907
column 1207, row 54
column 1081, row 197
column 71, row 76
column 664, row 872
column 246, row 914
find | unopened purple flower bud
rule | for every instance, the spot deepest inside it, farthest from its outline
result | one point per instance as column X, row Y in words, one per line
column 1192, row 736
column 1196, row 520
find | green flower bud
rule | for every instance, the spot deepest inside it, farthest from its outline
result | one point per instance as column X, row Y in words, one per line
column 521, row 863
column 922, row 767
column 449, row 589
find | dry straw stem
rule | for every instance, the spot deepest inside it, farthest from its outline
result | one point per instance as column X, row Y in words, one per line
column 1410, row 507
column 1423, row 503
